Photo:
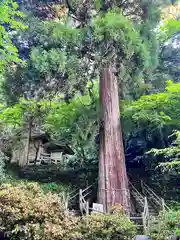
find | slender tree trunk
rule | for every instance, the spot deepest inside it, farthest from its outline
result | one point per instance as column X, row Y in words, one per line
column 113, row 183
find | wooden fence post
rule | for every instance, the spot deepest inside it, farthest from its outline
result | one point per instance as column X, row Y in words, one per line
column 80, row 201
column 87, row 208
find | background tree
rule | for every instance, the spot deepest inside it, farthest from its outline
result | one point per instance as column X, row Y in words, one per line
column 8, row 14
column 168, row 32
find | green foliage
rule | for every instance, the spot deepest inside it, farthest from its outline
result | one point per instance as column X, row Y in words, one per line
column 44, row 60
column 174, row 205
column 51, row 54
column 10, row 177
column 165, row 225
column 115, row 27
column 75, row 124
column 9, row 14
column 148, row 124
column 107, row 227
column 61, row 57
column 19, row 114
column 67, row 120
column 168, row 29
column 170, row 153
column 119, row 39
column 27, row 213
column 159, row 111
column 155, row 110
column 12, row 115
column 55, row 188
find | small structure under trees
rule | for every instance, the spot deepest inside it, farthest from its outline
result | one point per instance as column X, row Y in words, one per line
column 36, row 148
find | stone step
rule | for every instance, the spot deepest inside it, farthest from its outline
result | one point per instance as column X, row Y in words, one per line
column 152, row 210
column 138, row 221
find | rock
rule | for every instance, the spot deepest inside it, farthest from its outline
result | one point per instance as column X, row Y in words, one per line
column 142, row 237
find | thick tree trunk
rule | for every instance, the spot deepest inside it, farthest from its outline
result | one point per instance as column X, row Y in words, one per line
column 113, row 183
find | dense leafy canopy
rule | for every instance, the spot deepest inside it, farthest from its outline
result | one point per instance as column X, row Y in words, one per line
column 8, row 20
column 157, row 109
column 158, row 114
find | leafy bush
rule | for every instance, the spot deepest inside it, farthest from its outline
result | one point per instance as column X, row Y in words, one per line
column 165, row 225
column 107, row 227
column 27, row 213
column 174, row 205
column 55, row 188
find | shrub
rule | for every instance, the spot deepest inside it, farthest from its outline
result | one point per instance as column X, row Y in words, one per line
column 174, row 205
column 26, row 212
column 107, row 227
column 165, row 225
column 55, row 188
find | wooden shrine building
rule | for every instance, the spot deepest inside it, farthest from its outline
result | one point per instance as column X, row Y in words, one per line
column 36, row 148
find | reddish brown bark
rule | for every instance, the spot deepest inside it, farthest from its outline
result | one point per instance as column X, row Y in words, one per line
column 113, row 183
